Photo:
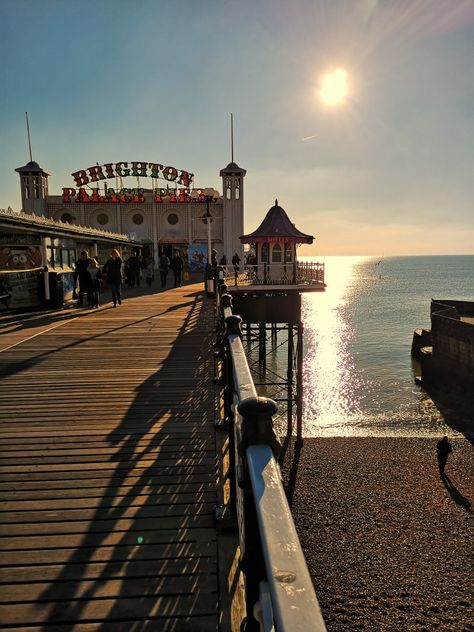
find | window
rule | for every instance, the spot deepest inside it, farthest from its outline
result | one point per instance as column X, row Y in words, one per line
column 288, row 253
column 66, row 218
column 58, row 260
column 102, row 219
column 264, row 256
column 172, row 219
column 276, row 253
column 137, row 219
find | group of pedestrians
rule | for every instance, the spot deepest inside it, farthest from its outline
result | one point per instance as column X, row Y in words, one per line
column 88, row 277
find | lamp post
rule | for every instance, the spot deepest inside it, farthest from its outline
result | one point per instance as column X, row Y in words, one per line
column 211, row 195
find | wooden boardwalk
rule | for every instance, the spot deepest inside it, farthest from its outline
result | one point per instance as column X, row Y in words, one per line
column 108, row 477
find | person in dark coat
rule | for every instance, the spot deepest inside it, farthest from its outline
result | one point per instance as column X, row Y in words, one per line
column 82, row 275
column 177, row 265
column 163, row 264
column 113, row 273
column 134, row 266
column 444, row 449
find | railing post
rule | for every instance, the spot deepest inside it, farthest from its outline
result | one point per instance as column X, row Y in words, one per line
column 232, row 327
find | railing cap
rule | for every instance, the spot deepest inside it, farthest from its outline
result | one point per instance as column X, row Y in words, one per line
column 257, row 407
column 233, row 324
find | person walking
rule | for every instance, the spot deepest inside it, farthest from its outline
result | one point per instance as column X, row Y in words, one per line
column 177, row 265
column 96, row 276
column 133, row 270
column 236, row 262
column 113, row 273
column 82, row 275
column 149, row 273
column 163, row 264
column 444, row 449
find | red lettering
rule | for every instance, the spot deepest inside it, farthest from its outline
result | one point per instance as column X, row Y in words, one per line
column 110, row 193
column 68, row 194
column 82, row 196
column 185, row 178
column 80, row 178
column 138, row 196
column 184, row 195
column 124, row 197
column 96, row 173
column 170, row 173
column 159, row 195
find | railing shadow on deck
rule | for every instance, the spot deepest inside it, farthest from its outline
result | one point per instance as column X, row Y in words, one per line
column 163, row 548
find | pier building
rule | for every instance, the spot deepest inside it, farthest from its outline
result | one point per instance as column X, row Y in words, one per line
column 162, row 217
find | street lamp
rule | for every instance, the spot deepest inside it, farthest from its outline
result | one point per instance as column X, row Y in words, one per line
column 211, row 195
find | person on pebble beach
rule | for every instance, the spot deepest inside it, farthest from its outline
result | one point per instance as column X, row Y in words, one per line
column 444, row 449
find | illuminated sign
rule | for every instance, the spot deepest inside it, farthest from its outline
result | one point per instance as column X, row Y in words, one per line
column 137, row 195
column 136, row 169
column 97, row 173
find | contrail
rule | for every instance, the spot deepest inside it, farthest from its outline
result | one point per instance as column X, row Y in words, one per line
column 308, row 137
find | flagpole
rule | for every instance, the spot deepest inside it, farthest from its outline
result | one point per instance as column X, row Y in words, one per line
column 29, row 139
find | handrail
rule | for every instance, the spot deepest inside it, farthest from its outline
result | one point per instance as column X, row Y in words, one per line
column 285, row 273
column 294, row 602
column 279, row 592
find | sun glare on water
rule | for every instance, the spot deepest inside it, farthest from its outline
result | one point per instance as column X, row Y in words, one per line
column 334, row 87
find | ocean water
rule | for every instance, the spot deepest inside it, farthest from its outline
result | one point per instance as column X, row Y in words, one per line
column 358, row 373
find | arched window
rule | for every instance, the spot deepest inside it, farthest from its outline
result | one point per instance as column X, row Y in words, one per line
column 264, row 257
column 102, row 219
column 173, row 219
column 66, row 218
column 276, row 253
column 137, row 219
column 289, row 253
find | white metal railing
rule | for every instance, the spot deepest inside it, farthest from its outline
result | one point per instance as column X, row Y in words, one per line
column 279, row 591
column 296, row 273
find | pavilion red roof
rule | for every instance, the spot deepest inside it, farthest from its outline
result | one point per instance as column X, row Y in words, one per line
column 277, row 226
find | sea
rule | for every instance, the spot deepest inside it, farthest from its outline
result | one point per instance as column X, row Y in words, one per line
column 359, row 377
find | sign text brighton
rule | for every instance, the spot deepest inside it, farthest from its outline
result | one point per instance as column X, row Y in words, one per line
column 119, row 170
column 136, row 169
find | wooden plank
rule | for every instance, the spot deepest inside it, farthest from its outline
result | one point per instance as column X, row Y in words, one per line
column 108, row 473
column 139, row 525
column 133, row 568
column 135, row 609
column 112, row 588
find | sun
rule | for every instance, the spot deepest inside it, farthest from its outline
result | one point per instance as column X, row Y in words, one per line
column 334, row 87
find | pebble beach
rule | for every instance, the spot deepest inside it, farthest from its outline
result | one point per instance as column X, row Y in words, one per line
column 388, row 542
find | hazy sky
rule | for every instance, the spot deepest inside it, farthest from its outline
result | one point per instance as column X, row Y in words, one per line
column 388, row 171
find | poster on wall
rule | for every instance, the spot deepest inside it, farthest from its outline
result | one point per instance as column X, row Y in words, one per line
column 20, row 257
column 197, row 254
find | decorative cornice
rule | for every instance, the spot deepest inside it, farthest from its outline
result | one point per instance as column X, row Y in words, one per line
column 47, row 222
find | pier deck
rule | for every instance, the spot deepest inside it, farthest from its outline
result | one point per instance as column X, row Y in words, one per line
column 108, row 477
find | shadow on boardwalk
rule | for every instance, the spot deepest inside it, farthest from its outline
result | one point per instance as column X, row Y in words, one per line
column 147, row 560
